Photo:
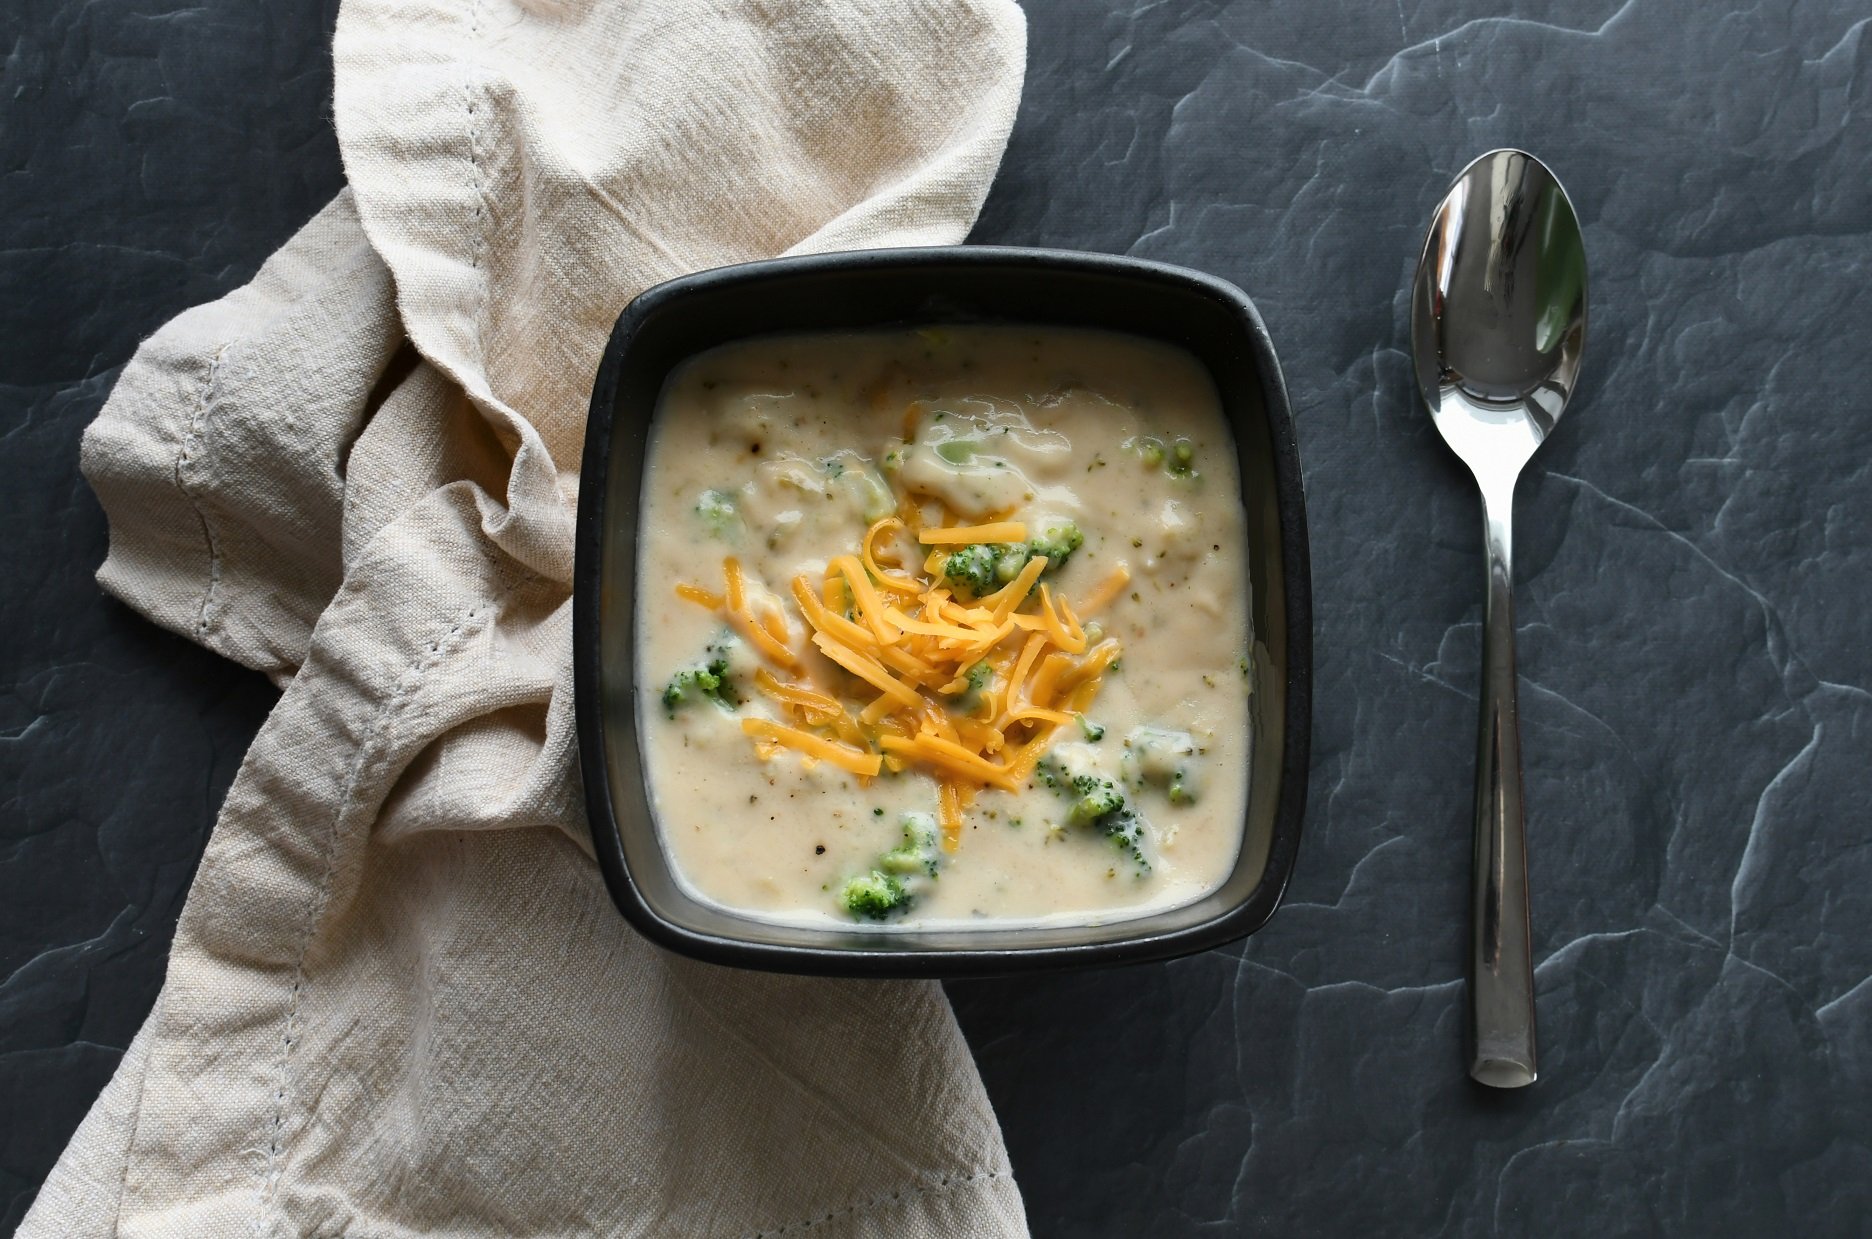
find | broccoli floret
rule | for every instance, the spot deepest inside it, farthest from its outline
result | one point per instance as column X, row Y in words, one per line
column 717, row 510
column 707, row 681
column 899, row 875
column 1057, row 544
column 1052, row 774
column 1180, row 792
column 689, row 685
column 1126, row 832
column 919, row 852
column 1096, row 798
column 983, row 567
column 875, row 895
column 974, row 568
column 1100, row 804
column 1093, row 732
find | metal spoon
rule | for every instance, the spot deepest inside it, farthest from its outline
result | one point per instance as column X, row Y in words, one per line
column 1498, row 321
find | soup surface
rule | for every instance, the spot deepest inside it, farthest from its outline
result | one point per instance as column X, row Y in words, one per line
column 944, row 628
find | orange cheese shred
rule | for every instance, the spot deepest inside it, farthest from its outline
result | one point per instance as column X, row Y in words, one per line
column 822, row 708
column 962, row 535
column 815, row 746
column 949, row 800
column 1004, row 600
column 829, row 622
column 1106, row 590
column 1055, row 627
column 701, row 597
column 867, row 669
column 865, row 595
column 895, row 584
column 1097, row 659
column 1029, row 652
column 776, row 626
column 928, row 628
column 948, row 755
column 1045, row 677
column 744, row 622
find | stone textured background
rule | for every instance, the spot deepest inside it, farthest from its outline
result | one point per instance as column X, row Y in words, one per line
column 1695, row 559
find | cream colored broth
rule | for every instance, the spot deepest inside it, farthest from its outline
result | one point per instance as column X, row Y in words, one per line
column 780, row 451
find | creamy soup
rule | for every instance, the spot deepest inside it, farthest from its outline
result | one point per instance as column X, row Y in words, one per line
column 944, row 628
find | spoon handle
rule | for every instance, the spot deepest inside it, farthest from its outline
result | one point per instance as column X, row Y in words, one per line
column 1501, row 977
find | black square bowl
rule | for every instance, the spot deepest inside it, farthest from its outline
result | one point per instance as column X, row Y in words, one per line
column 893, row 288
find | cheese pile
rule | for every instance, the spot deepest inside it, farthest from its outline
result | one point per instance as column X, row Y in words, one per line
column 904, row 636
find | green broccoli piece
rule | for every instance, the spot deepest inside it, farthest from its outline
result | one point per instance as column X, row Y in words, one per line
column 982, row 568
column 974, row 568
column 1052, row 774
column 900, row 875
column 718, row 513
column 1182, row 458
column 1179, row 792
column 1097, row 799
column 1126, row 832
column 689, row 685
column 875, row 895
column 919, row 852
column 1057, row 544
column 1093, row 732
column 1100, row 804
column 707, row 681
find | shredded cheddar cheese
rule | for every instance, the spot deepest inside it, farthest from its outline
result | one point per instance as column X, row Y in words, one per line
column 970, row 694
column 962, row 535
column 816, row 746
column 736, row 608
column 868, row 556
column 1106, row 590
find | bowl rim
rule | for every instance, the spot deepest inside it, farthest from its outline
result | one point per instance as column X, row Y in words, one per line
column 1236, row 922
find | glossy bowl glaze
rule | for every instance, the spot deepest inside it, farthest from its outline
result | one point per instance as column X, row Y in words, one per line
column 876, row 289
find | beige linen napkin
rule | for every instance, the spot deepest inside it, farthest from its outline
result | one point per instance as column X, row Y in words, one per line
column 399, row 1001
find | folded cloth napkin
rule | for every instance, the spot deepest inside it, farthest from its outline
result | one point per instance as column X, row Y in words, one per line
column 399, row 1001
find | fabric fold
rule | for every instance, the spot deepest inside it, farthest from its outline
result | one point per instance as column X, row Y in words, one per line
column 399, row 1001
column 219, row 458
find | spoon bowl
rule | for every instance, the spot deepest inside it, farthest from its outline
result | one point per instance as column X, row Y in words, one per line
column 1498, row 312
column 1498, row 326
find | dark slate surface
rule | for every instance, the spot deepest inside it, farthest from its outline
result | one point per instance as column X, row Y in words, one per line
column 152, row 152
column 1695, row 555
